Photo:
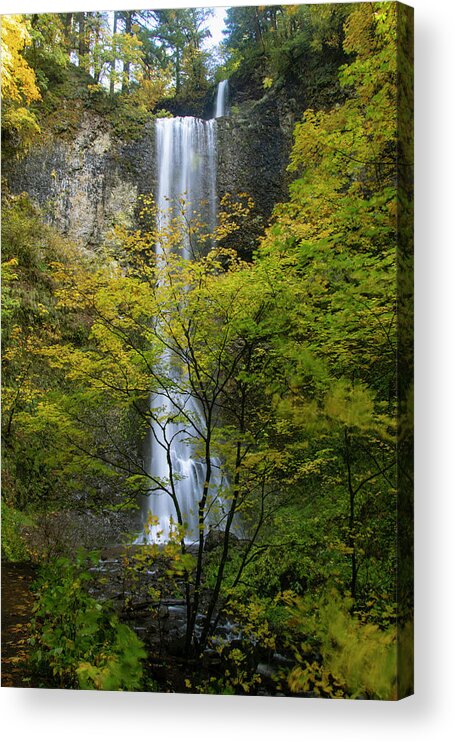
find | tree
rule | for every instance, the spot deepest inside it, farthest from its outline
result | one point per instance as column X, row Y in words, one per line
column 19, row 86
column 177, row 31
column 279, row 372
column 163, row 327
column 297, row 45
column 47, row 54
column 337, row 234
column 30, row 322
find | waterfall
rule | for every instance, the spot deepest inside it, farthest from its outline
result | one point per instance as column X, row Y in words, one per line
column 186, row 157
column 221, row 99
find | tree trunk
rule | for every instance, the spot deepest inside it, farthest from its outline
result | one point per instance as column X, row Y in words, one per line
column 126, row 64
column 114, row 58
column 257, row 30
column 68, row 32
column 193, row 609
column 351, row 537
column 236, row 493
column 82, row 41
column 177, row 70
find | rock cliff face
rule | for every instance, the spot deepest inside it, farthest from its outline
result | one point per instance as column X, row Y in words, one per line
column 86, row 183
column 253, row 152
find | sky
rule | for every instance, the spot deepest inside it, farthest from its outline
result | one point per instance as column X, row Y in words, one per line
column 216, row 25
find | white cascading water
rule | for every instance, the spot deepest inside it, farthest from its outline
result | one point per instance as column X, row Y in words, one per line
column 221, row 99
column 186, row 156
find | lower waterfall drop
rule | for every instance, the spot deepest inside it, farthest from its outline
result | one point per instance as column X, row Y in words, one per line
column 186, row 157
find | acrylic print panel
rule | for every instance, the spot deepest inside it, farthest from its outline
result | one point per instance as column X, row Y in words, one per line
column 207, row 316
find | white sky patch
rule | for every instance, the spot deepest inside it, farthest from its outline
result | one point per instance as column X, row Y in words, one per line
column 215, row 23
column 216, row 26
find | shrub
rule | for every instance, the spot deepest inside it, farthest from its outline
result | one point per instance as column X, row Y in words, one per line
column 340, row 656
column 14, row 547
column 77, row 639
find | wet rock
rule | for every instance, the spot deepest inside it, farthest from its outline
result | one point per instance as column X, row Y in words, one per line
column 176, row 646
column 280, row 660
column 266, row 671
column 215, row 538
column 87, row 184
column 64, row 532
column 253, row 151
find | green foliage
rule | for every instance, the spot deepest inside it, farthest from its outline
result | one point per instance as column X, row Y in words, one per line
column 14, row 545
column 29, row 318
column 333, row 248
column 291, row 359
column 150, row 56
column 238, row 677
column 167, row 562
column 179, row 33
column 35, row 475
column 358, row 659
column 19, row 88
column 29, row 249
column 47, row 53
column 128, row 118
column 292, row 45
column 78, row 640
column 237, row 674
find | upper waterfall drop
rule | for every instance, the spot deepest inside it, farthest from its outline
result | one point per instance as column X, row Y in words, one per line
column 186, row 170
column 221, row 99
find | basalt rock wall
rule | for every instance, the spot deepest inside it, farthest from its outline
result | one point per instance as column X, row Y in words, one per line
column 254, row 143
column 87, row 182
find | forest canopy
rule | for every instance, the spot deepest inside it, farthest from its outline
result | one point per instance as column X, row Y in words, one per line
column 287, row 351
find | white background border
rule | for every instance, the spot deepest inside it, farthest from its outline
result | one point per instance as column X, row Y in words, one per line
column 48, row 716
